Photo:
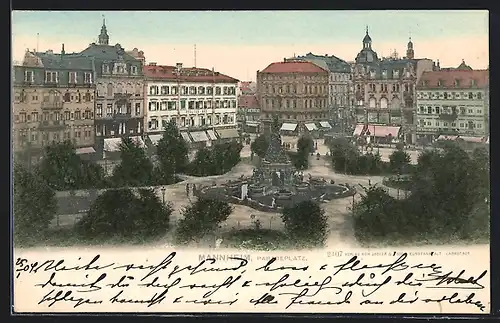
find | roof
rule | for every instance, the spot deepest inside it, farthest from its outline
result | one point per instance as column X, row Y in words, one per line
column 247, row 87
column 464, row 66
column 73, row 61
column 293, row 67
column 188, row 74
column 248, row 101
column 329, row 62
column 449, row 78
column 107, row 52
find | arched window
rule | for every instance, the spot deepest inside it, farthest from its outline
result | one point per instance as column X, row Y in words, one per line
column 373, row 102
column 383, row 103
column 110, row 89
column 119, row 88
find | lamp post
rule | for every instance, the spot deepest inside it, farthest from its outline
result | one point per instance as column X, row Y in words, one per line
column 163, row 194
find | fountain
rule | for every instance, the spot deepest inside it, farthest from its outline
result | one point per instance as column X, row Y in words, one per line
column 276, row 183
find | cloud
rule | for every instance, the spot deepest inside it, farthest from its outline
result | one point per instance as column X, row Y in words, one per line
column 242, row 62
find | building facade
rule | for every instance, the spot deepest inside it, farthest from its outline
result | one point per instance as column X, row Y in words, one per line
column 384, row 89
column 453, row 102
column 249, row 113
column 193, row 98
column 340, row 88
column 119, row 109
column 296, row 92
column 53, row 100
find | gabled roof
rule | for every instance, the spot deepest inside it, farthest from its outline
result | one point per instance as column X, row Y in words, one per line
column 248, row 101
column 107, row 52
column 188, row 74
column 448, row 79
column 330, row 62
column 293, row 67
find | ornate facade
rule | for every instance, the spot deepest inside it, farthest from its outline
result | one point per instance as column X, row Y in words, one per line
column 384, row 88
column 53, row 100
column 296, row 92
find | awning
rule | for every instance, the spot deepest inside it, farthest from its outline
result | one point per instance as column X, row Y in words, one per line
column 211, row 135
column 288, row 126
column 85, row 150
column 155, row 138
column 442, row 137
column 311, row 126
column 472, row 139
column 112, row 144
column 252, row 123
column 358, row 130
column 199, row 136
column 185, row 136
column 228, row 133
column 325, row 124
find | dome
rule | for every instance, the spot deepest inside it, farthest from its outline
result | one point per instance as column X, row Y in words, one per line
column 366, row 56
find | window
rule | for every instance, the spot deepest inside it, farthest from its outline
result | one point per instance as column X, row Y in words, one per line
column 473, row 82
column 29, row 76
column 437, row 110
column 109, row 109
column 34, row 116
column 165, row 90
column 153, row 106
column 87, row 78
column 98, row 110
column 51, row 77
column 445, row 95
column 78, row 115
column 137, row 108
column 479, row 111
column 479, row 96
column 210, row 90
column 105, row 68
column 67, row 97
column 217, row 90
column 457, row 83
column 192, row 90
column 163, row 105
column 201, row 90
column 429, row 110
column 72, row 77
column 174, row 90
column 226, row 90
column 133, row 69
column 87, row 115
column 470, row 96
column 110, row 89
column 88, row 97
column 153, row 90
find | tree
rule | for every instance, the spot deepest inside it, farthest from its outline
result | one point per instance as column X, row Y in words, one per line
column 344, row 155
column 216, row 160
column 201, row 218
column 305, row 144
column 398, row 161
column 306, row 222
column 34, row 204
column 120, row 212
column 202, row 165
column 172, row 151
column 63, row 169
column 135, row 169
column 259, row 145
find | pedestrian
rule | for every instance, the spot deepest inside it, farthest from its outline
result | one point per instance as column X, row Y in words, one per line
column 187, row 189
column 194, row 190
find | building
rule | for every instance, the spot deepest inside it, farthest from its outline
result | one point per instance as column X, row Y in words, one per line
column 296, row 92
column 385, row 90
column 119, row 109
column 207, row 100
column 340, row 88
column 453, row 102
column 53, row 100
column 137, row 54
column 249, row 113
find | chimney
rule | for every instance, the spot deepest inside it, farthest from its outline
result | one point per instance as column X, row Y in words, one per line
column 178, row 65
column 152, row 64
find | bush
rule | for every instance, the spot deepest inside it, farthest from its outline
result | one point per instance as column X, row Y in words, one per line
column 135, row 168
column 201, row 218
column 216, row 160
column 259, row 145
column 306, row 222
column 398, row 161
column 120, row 212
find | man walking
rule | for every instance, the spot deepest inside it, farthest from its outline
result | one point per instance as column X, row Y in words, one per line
column 187, row 189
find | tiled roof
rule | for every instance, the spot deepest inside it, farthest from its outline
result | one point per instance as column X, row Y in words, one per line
column 448, row 79
column 188, row 74
column 293, row 67
column 248, row 101
column 329, row 62
column 247, row 87
column 67, row 61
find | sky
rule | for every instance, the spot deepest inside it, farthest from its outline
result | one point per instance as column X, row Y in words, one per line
column 238, row 43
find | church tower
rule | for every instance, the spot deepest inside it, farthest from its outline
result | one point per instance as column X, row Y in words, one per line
column 367, row 40
column 103, row 36
column 410, row 54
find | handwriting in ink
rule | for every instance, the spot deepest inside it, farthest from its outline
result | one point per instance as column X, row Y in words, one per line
column 210, row 261
column 370, row 302
column 211, row 302
column 297, row 299
column 454, row 300
column 407, row 282
column 60, row 296
column 92, row 286
column 267, row 267
column 227, row 283
column 155, row 299
column 299, row 284
column 352, row 264
column 120, row 283
column 153, row 268
column 359, row 282
column 264, row 299
column 401, row 299
column 51, row 265
column 443, row 281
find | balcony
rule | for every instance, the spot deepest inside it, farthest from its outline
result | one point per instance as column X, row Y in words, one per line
column 448, row 116
column 120, row 116
column 54, row 125
column 125, row 96
column 52, row 105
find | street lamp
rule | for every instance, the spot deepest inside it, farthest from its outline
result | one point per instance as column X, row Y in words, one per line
column 163, row 194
